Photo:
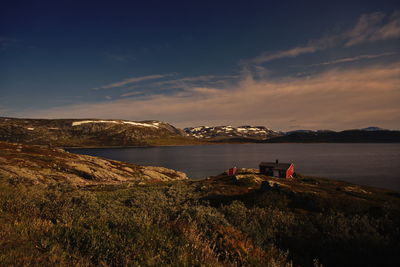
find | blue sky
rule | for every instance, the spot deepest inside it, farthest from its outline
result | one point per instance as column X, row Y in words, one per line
column 289, row 65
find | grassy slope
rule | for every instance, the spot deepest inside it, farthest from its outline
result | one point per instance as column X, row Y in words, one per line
column 215, row 222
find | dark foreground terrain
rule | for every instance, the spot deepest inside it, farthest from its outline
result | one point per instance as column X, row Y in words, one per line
column 72, row 215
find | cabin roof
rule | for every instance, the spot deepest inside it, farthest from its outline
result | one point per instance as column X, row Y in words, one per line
column 276, row 166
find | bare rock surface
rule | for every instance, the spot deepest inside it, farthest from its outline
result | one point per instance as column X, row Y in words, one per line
column 36, row 164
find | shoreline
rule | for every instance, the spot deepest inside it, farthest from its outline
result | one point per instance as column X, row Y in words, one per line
column 219, row 143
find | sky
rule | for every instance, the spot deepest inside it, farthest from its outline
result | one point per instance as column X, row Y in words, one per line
column 286, row 65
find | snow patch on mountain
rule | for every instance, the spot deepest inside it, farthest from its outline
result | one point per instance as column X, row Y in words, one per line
column 218, row 132
column 153, row 124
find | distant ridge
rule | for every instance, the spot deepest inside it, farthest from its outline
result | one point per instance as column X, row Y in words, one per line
column 373, row 128
column 220, row 133
column 348, row 136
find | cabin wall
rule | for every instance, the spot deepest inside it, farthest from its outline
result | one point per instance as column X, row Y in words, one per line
column 290, row 171
column 277, row 173
column 266, row 171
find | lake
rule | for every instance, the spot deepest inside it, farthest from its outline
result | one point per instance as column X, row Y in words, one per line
column 365, row 164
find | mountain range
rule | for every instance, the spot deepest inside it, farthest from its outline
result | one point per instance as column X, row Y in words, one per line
column 229, row 132
column 119, row 133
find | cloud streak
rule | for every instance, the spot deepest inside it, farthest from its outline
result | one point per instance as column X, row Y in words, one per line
column 169, row 86
column 369, row 28
column 352, row 59
column 188, row 82
column 132, row 81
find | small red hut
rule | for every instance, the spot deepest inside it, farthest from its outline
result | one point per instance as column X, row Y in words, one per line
column 276, row 169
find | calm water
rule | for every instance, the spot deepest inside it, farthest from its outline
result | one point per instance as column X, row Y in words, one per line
column 367, row 164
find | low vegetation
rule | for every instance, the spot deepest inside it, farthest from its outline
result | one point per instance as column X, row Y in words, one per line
column 221, row 221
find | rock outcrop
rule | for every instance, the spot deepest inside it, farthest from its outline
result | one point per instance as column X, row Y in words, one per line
column 36, row 164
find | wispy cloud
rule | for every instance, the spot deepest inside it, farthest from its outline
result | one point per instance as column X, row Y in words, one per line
column 189, row 82
column 294, row 52
column 353, row 59
column 132, row 81
column 335, row 99
column 369, row 28
column 131, row 94
column 170, row 86
column 366, row 26
column 312, row 47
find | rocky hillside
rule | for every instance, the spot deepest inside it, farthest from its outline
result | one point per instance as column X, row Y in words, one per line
column 229, row 132
column 89, row 132
column 38, row 165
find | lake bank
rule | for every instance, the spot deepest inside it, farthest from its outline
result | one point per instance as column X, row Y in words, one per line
column 369, row 164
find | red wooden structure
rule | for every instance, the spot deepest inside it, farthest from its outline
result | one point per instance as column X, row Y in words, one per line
column 276, row 169
column 232, row 171
column 290, row 171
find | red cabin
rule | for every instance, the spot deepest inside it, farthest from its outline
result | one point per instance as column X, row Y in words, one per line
column 276, row 169
column 232, row 171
